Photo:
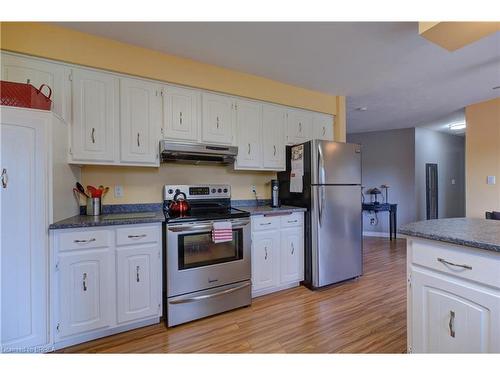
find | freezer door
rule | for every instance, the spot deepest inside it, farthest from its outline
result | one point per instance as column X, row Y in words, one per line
column 335, row 163
column 336, row 247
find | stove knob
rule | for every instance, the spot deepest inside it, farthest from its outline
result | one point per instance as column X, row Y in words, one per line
column 225, row 190
column 219, row 190
column 170, row 191
column 213, row 191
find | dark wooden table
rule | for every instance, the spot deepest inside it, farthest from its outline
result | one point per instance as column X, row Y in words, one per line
column 392, row 208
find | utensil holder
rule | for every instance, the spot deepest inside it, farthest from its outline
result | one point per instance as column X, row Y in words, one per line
column 94, row 206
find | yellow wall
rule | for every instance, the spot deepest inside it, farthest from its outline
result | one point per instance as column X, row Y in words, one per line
column 482, row 154
column 144, row 184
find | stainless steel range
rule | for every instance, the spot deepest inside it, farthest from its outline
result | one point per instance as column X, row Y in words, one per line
column 203, row 277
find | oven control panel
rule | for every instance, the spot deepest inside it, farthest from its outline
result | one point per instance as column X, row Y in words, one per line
column 197, row 191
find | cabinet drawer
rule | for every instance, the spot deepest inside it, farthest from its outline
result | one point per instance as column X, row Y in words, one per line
column 86, row 239
column 475, row 265
column 136, row 235
column 294, row 219
column 262, row 222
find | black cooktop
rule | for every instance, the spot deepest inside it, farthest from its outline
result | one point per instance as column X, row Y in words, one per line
column 203, row 210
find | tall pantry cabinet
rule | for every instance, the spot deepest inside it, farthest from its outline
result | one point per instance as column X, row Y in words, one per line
column 33, row 193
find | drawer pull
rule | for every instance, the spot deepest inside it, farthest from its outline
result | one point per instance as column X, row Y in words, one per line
column 445, row 262
column 85, row 241
column 136, row 235
column 265, row 249
column 137, row 279
column 293, row 249
column 292, row 221
column 84, row 281
column 451, row 323
column 265, row 223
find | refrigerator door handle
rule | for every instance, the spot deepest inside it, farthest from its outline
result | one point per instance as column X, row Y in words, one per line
column 321, row 166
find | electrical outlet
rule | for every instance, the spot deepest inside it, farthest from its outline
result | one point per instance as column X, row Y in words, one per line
column 253, row 189
column 118, row 191
column 372, row 221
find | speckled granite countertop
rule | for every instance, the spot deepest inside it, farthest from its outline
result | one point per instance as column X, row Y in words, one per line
column 263, row 210
column 121, row 218
column 479, row 233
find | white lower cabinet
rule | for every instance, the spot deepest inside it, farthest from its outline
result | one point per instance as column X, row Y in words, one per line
column 138, row 282
column 449, row 311
column 85, row 287
column 106, row 280
column 277, row 252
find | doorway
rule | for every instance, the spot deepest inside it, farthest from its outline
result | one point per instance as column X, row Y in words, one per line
column 431, row 188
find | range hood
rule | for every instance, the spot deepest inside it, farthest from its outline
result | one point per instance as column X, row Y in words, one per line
column 197, row 153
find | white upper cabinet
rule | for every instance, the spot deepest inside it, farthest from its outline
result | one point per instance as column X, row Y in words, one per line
column 181, row 114
column 141, row 121
column 299, row 126
column 249, row 134
column 274, row 137
column 38, row 72
column 218, row 119
column 322, row 126
column 95, row 124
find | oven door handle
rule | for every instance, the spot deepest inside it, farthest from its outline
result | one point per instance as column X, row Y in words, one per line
column 213, row 295
column 191, row 228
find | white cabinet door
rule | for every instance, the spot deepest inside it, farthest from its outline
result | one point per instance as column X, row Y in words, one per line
column 449, row 316
column 86, row 300
column 265, row 259
column 94, row 130
column 322, row 126
column 292, row 254
column 24, row 255
column 249, row 134
column 38, row 72
column 181, row 114
column 274, row 137
column 299, row 126
column 218, row 119
column 138, row 282
column 140, row 122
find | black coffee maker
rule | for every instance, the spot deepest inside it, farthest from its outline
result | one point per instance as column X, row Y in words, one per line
column 275, row 193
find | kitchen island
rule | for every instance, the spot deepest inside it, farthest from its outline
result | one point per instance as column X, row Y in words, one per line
column 453, row 274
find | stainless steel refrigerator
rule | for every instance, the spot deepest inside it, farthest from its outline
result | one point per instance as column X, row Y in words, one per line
column 331, row 192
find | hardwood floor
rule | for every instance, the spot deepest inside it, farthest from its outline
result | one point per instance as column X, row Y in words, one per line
column 367, row 315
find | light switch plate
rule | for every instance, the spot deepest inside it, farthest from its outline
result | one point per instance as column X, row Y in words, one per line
column 491, row 180
column 118, row 191
column 453, row 181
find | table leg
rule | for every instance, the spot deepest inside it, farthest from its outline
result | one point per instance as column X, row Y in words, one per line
column 391, row 225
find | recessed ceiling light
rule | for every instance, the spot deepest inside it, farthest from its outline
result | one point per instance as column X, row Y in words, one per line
column 457, row 126
column 362, row 109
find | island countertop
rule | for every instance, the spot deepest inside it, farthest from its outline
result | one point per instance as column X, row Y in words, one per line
column 478, row 233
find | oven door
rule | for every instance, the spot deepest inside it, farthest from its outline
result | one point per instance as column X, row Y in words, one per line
column 195, row 262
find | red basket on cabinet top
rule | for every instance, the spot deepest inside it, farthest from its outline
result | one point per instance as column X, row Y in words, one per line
column 25, row 95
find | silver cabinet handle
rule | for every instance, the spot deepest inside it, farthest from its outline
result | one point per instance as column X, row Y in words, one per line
column 84, row 281
column 84, row 241
column 292, row 221
column 324, row 131
column 137, row 235
column 300, row 127
column 180, row 118
column 92, row 135
column 451, row 323
column 137, row 279
column 138, row 140
column 265, row 250
column 454, row 264
column 265, row 223
column 217, row 122
column 5, row 178
column 293, row 249
column 249, row 149
column 274, row 150
column 207, row 296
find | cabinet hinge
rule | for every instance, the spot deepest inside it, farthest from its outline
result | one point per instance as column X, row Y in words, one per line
column 70, row 152
column 57, row 327
column 158, row 255
column 410, row 350
column 70, row 77
column 161, row 92
column 57, row 266
column 409, row 280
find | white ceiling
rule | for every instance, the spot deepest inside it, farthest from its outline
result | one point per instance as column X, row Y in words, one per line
column 442, row 124
column 403, row 79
